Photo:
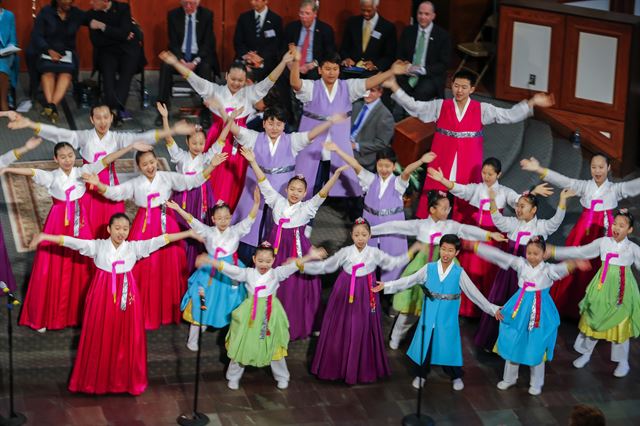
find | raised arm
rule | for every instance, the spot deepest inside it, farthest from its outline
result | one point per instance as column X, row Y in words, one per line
column 121, row 192
column 324, row 191
column 279, row 69
column 85, row 247
column 11, row 156
column 325, row 125
column 203, row 87
column 251, row 158
column 561, row 181
column 397, row 68
column 352, row 162
column 425, row 159
column 424, row 111
column 627, row 189
column 46, row 131
column 328, row 265
column 294, row 72
column 438, row 176
column 388, row 262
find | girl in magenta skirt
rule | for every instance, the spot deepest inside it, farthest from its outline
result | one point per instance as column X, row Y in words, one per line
column 60, row 277
column 162, row 277
column 112, row 354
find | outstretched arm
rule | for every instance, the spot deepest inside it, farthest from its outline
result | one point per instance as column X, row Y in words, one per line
column 438, row 176
column 403, row 283
column 21, row 171
column 333, row 147
column 251, row 158
column 425, row 159
column 277, row 71
column 398, row 67
column 324, row 192
column 321, row 128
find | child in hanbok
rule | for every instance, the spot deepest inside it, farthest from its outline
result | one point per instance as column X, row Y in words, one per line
column 300, row 294
column 259, row 331
column 6, row 272
column 196, row 201
column 222, row 295
column 351, row 344
column 599, row 198
column 610, row 309
column 444, row 280
column 519, row 229
column 458, row 140
column 229, row 179
column 275, row 153
column 530, row 326
column 482, row 273
column 112, row 354
column 94, row 144
column 60, row 277
column 322, row 98
column 383, row 200
column 161, row 277
column 428, row 232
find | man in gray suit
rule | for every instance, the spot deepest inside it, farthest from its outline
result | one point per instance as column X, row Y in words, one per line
column 372, row 128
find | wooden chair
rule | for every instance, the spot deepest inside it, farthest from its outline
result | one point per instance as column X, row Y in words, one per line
column 479, row 49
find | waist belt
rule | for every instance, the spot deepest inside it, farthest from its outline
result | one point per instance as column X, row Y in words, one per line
column 279, row 170
column 320, row 117
column 384, row 212
column 440, row 296
column 453, row 134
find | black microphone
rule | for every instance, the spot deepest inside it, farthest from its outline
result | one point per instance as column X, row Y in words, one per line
column 203, row 302
column 427, row 292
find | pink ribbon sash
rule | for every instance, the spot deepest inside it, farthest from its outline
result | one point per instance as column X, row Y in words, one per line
column 96, row 157
column 592, row 210
column 605, row 267
column 483, row 202
column 352, row 283
column 184, row 194
column 432, row 239
column 254, row 308
column 609, row 228
column 281, row 222
column 519, row 237
column 523, row 290
column 147, row 216
column 67, row 204
column 114, row 277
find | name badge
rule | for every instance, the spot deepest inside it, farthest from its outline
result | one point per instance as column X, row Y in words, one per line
column 376, row 34
column 269, row 33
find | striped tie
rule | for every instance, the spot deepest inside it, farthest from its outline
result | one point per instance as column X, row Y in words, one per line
column 258, row 26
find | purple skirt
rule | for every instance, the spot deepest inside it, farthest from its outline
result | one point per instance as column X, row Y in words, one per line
column 504, row 286
column 300, row 294
column 351, row 345
column 191, row 202
column 6, row 273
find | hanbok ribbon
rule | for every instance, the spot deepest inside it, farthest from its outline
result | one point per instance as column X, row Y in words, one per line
column 523, row 290
column 605, row 268
column 67, row 204
column 432, row 239
column 622, row 285
column 265, row 325
column 281, row 222
column 297, row 246
column 372, row 295
column 114, row 277
column 184, row 193
column 592, row 210
column 608, row 221
column 483, row 202
column 352, row 283
column 534, row 318
column 147, row 215
column 519, row 238
column 96, row 157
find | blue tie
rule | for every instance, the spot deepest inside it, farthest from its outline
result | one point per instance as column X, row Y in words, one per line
column 358, row 123
column 187, row 49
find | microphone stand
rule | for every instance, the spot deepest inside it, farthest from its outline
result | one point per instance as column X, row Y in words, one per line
column 14, row 419
column 196, row 418
column 416, row 419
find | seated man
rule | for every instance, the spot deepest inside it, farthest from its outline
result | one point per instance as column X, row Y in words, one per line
column 191, row 39
column 313, row 38
column 428, row 47
column 372, row 128
column 116, row 50
column 258, row 39
column 369, row 40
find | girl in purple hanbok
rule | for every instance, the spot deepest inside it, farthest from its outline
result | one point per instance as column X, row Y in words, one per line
column 300, row 294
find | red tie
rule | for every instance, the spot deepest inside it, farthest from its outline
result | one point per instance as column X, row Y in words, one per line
column 305, row 46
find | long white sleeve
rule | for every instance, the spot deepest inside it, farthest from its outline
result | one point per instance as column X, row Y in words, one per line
column 588, row 251
column 497, row 256
column 233, row 272
column 203, row 87
column 84, row 247
column 180, row 182
column 299, row 141
column 493, row 114
column 627, row 189
column 463, row 191
column 476, row 297
column 144, row 248
column 558, row 271
column 247, row 137
column 404, row 283
column 504, row 223
column 388, row 262
column 8, row 158
column 424, row 111
column 123, row 191
column 327, row 266
column 472, row 233
column 562, row 181
column 400, row 227
column 549, row 226
column 244, row 226
column 271, row 196
column 259, row 90
column 285, row 271
column 59, row 134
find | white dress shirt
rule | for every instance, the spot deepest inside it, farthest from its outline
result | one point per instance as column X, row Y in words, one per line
column 187, row 163
column 163, row 184
column 355, row 86
column 366, row 178
column 349, row 256
column 475, row 193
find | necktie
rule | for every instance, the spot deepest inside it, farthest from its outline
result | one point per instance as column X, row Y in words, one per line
column 258, row 26
column 418, row 55
column 358, row 123
column 187, row 48
column 305, row 46
column 366, row 35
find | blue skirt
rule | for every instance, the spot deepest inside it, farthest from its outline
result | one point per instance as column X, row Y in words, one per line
column 518, row 344
column 221, row 297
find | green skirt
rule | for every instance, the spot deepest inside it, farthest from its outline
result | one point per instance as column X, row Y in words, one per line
column 249, row 342
column 409, row 302
column 601, row 316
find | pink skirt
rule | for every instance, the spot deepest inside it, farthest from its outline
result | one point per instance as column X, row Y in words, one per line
column 101, row 208
column 481, row 272
column 161, row 277
column 569, row 291
column 112, row 355
column 60, row 276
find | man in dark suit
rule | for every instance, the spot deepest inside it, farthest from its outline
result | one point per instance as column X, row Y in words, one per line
column 428, row 47
column 372, row 128
column 313, row 37
column 191, row 39
column 369, row 40
column 258, row 39
column 116, row 49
